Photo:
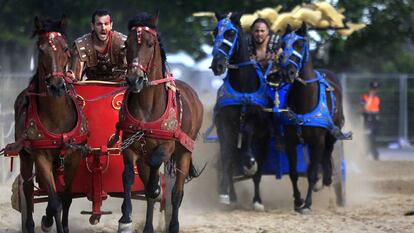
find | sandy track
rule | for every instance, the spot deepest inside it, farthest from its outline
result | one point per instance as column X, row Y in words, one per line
column 378, row 193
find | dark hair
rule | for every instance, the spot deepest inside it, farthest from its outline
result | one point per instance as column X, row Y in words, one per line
column 100, row 13
column 141, row 19
column 50, row 26
column 260, row 20
column 374, row 84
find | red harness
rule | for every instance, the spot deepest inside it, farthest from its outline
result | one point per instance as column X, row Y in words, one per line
column 37, row 136
column 167, row 127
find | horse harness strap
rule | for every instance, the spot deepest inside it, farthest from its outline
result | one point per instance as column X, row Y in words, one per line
column 320, row 116
column 167, row 127
column 37, row 136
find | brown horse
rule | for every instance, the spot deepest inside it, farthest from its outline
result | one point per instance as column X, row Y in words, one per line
column 47, row 121
column 159, row 117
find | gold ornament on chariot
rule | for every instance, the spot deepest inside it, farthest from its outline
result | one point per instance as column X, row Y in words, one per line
column 81, row 100
column 117, row 101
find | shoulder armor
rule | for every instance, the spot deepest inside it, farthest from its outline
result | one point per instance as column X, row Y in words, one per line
column 87, row 53
column 117, row 47
column 273, row 43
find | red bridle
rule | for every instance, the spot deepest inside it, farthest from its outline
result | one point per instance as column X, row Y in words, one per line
column 139, row 30
column 51, row 40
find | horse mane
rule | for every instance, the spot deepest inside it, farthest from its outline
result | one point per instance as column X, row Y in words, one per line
column 50, row 26
column 34, row 78
column 145, row 19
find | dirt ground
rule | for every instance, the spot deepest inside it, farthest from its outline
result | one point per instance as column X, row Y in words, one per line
column 378, row 194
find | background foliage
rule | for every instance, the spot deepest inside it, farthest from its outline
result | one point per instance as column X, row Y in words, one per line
column 386, row 45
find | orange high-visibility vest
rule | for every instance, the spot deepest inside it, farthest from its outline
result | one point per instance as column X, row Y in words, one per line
column 372, row 103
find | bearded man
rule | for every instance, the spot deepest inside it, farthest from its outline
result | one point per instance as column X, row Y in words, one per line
column 100, row 54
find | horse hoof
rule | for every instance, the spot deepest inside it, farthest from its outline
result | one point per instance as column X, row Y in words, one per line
column 318, row 186
column 148, row 230
column 258, row 206
column 46, row 224
column 125, row 228
column 299, row 204
column 250, row 171
column 224, row 199
column 305, row 211
column 409, row 213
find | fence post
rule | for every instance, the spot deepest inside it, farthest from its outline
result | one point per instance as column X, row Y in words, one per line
column 344, row 83
column 403, row 107
column 2, row 144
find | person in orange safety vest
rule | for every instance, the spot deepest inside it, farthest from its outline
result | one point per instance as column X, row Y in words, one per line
column 370, row 105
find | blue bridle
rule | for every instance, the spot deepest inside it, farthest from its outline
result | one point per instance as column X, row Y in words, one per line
column 223, row 26
column 288, row 51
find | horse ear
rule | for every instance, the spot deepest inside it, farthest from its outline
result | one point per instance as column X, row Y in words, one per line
column 218, row 15
column 63, row 21
column 302, row 30
column 154, row 19
column 38, row 24
column 236, row 17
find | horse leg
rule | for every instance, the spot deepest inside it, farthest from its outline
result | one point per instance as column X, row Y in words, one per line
column 125, row 222
column 26, row 206
column 144, row 173
column 231, row 167
column 261, row 157
column 327, row 159
column 152, row 188
column 44, row 168
column 71, row 167
column 316, row 152
column 249, row 161
column 183, row 165
column 293, row 173
column 224, row 163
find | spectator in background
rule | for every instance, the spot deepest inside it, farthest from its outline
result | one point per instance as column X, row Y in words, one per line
column 370, row 108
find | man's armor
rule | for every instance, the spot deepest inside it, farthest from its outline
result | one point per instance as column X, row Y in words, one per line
column 272, row 46
column 105, row 67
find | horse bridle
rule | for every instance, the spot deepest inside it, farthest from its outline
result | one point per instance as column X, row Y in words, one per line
column 146, row 69
column 60, row 74
column 223, row 26
column 288, row 51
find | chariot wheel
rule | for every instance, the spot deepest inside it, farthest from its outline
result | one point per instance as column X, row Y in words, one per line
column 339, row 173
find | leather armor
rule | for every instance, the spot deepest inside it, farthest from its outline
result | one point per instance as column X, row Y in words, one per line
column 104, row 67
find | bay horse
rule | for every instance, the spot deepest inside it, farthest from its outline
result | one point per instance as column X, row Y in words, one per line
column 48, row 120
column 160, row 119
column 315, row 116
column 240, row 120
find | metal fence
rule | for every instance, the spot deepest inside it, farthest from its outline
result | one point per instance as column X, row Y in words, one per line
column 11, row 84
column 397, row 102
column 396, row 92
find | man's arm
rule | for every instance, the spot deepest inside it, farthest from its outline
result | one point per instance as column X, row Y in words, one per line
column 75, row 65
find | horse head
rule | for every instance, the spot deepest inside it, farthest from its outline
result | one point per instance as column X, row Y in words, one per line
column 53, row 55
column 226, row 35
column 295, row 53
column 144, row 49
